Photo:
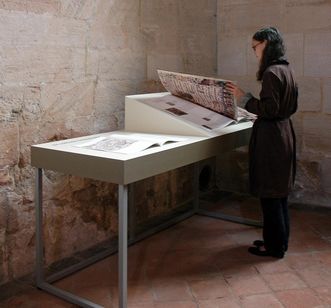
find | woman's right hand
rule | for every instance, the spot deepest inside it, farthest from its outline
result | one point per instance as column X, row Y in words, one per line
column 237, row 92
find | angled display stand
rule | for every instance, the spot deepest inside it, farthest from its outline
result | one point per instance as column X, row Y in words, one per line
column 141, row 115
column 97, row 157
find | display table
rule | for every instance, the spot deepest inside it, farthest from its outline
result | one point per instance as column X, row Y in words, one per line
column 122, row 169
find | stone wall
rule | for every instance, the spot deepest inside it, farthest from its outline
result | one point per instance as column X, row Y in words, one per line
column 306, row 26
column 65, row 68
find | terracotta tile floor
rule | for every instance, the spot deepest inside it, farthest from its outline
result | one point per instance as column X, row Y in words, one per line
column 203, row 262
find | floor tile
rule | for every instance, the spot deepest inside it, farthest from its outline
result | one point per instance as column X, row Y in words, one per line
column 277, row 266
column 177, row 304
column 136, row 294
column 234, row 266
column 247, row 285
column 172, row 290
column 324, row 294
column 303, row 298
column 141, row 305
column 284, row 281
column 220, row 303
column 298, row 261
column 210, row 288
column 261, row 300
column 317, row 276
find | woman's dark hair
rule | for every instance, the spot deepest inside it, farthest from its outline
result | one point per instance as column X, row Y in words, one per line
column 274, row 49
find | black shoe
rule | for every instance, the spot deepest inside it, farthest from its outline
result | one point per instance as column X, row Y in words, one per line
column 265, row 253
column 258, row 243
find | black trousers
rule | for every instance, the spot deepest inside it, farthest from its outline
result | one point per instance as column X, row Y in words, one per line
column 276, row 224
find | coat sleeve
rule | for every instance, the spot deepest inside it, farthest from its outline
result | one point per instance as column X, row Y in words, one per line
column 268, row 104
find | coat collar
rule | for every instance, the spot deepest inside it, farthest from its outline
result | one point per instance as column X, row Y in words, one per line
column 281, row 60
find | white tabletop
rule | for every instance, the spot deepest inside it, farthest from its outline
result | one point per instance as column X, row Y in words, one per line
column 70, row 157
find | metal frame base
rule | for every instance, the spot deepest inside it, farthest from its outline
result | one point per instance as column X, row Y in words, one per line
column 123, row 202
column 236, row 219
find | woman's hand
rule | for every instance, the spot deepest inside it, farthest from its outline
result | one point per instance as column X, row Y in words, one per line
column 235, row 90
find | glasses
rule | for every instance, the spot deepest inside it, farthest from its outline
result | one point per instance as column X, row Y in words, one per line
column 254, row 46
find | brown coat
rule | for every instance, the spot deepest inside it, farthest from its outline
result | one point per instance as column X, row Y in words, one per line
column 272, row 152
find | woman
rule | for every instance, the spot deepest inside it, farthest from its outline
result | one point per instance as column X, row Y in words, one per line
column 272, row 145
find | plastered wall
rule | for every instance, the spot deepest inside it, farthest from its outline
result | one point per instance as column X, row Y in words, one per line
column 65, row 67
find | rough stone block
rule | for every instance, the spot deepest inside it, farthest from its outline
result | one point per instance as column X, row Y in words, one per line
column 232, row 56
column 317, row 61
column 14, row 5
column 308, row 176
column 43, row 6
column 121, row 19
column 35, row 6
column 4, row 277
column 173, row 28
column 3, row 214
column 67, row 100
column 201, row 50
column 298, row 128
column 162, row 41
column 31, row 109
column 11, row 102
column 107, row 123
column 5, row 179
column 307, row 15
column 199, row 64
column 325, row 175
column 170, row 62
column 80, row 215
column 309, row 94
column 224, row 3
column 316, row 133
column 124, row 65
column 110, row 96
column 317, row 65
column 20, row 235
column 190, row 21
column 3, row 235
column 245, row 18
column 156, row 15
column 85, row 9
column 66, row 32
column 9, row 150
column 294, row 51
column 20, row 29
column 48, row 64
column 327, row 95
column 160, row 25
column 92, row 63
column 318, row 43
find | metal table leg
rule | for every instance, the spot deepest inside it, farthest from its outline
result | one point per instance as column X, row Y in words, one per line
column 213, row 214
column 40, row 279
column 196, row 190
column 39, row 227
column 123, row 244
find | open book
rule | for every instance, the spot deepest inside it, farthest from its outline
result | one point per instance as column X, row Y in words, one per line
column 206, row 93
column 127, row 143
